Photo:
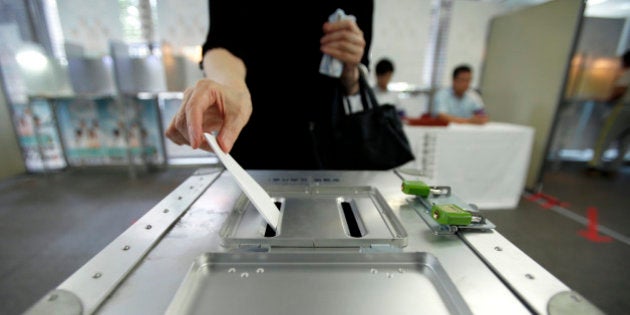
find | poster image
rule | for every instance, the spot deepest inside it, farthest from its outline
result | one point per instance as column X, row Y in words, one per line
column 104, row 132
column 133, row 130
column 38, row 136
column 82, row 135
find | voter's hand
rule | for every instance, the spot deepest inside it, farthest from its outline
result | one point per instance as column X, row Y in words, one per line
column 207, row 107
column 343, row 40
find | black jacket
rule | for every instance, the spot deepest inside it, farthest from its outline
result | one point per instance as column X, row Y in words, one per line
column 282, row 54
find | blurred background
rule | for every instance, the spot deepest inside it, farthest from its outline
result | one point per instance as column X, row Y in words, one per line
column 88, row 86
column 94, row 83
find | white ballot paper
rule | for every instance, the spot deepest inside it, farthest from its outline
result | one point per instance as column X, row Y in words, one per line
column 330, row 66
column 256, row 194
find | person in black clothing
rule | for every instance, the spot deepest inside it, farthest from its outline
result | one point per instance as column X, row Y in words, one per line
column 262, row 90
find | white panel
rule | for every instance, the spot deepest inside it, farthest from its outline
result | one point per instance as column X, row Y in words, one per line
column 526, row 64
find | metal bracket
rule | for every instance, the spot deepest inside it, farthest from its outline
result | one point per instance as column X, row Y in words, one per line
column 96, row 280
column 440, row 190
column 57, row 302
column 423, row 208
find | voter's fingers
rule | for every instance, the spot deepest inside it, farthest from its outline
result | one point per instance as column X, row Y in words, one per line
column 234, row 117
column 197, row 114
column 204, row 97
column 174, row 131
column 343, row 40
column 208, row 107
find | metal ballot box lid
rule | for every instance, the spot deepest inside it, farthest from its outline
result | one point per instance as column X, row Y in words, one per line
column 325, row 216
column 348, row 242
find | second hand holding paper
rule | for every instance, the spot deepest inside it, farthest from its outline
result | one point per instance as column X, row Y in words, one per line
column 256, row 194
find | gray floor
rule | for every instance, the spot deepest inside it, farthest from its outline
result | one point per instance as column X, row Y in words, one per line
column 51, row 225
column 598, row 271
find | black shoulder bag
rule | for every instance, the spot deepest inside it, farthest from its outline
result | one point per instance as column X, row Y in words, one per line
column 372, row 139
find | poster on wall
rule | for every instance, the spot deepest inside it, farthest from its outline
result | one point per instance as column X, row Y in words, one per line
column 80, row 127
column 114, row 130
column 102, row 132
column 145, row 132
column 38, row 136
column 131, row 131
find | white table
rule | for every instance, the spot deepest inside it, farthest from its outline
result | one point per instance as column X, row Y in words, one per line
column 485, row 165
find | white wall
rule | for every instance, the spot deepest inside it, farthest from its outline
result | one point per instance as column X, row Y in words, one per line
column 91, row 24
column 401, row 30
column 401, row 33
column 470, row 21
column 182, row 22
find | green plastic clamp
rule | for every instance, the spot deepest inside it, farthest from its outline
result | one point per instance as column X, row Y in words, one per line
column 416, row 187
column 450, row 214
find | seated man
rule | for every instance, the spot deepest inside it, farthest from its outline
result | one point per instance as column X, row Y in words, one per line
column 459, row 103
column 384, row 73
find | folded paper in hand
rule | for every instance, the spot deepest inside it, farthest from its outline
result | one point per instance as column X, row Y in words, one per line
column 330, row 66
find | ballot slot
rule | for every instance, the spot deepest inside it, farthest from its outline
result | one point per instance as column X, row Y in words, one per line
column 315, row 216
column 353, row 224
column 269, row 231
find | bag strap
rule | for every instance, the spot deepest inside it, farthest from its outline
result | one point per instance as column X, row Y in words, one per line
column 366, row 93
column 368, row 98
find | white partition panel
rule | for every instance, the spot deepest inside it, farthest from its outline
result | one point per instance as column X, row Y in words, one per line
column 526, row 64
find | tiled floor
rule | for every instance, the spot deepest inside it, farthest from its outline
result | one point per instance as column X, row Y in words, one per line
column 51, row 225
column 598, row 271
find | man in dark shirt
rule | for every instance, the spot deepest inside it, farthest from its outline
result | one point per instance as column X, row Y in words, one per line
column 262, row 82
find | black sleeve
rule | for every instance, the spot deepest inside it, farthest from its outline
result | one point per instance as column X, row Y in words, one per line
column 364, row 13
column 228, row 29
column 223, row 29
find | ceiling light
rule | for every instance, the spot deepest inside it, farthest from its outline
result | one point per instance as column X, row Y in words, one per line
column 31, row 60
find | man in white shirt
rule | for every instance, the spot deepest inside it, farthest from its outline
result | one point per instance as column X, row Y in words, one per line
column 459, row 103
column 384, row 72
column 617, row 126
